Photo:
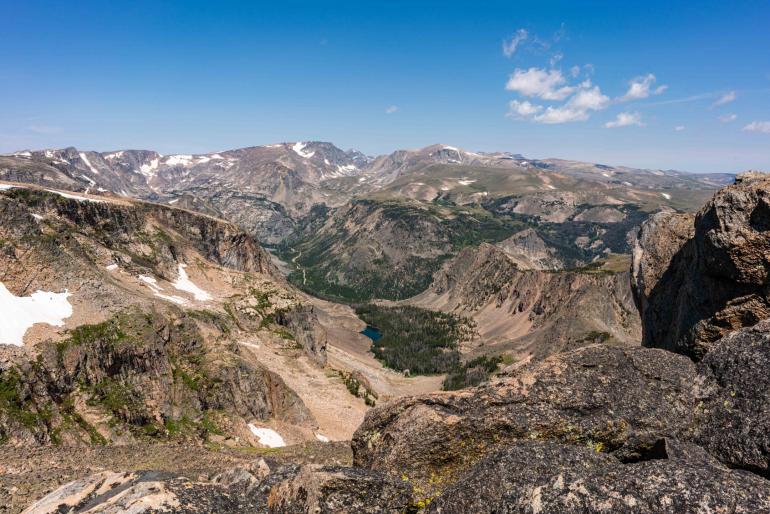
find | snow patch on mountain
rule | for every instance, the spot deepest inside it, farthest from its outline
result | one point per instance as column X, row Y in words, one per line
column 299, row 149
column 84, row 158
column 183, row 283
column 267, row 436
column 178, row 160
column 149, row 170
column 19, row 313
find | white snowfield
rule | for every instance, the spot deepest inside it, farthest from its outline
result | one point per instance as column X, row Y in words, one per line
column 321, row 437
column 157, row 291
column 267, row 436
column 19, row 313
column 6, row 187
column 666, row 196
column 299, row 147
column 183, row 283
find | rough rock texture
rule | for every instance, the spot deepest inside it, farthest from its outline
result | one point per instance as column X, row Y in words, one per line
column 137, row 374
column 544, row 477
column 694, row 289
column 302, row 322
column 736, row 420
column 615, row 400
column 260, row 488
column 332, row 490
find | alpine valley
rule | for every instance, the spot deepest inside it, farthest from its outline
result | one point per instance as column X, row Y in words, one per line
column 299, row 328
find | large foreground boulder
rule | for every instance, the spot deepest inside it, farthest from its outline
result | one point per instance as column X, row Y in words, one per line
column 544, row 477
column 695, row 283
column 619, row 401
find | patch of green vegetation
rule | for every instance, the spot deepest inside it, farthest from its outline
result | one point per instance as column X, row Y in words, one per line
column 595, row 337
column 425, row 235
column 18, row 406
column 357, row 389
column 471, row 373
column 115, row 397
column 414, row 339
column 212, row 318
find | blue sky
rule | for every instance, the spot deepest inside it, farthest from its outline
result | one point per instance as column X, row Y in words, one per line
column 605, row 82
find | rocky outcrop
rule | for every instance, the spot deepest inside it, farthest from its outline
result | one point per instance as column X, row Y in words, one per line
column 332, row 490
column 735, row 425
column 262, row 489
column 694, row 286
column 303, row 324
column 537, row 476
column 622, row 402
column 138, row 374
column 619, row 401
column 528, row 250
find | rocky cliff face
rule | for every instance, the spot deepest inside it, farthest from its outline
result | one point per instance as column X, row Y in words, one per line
column 138, row 375
column 533, row 312
column 161, row 298
column 697, row 281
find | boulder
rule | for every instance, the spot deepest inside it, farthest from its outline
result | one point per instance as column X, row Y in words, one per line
column 546, row 477
column 694, row 285
column 615, row 400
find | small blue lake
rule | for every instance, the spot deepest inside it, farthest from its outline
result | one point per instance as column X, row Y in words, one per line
column 372, row 333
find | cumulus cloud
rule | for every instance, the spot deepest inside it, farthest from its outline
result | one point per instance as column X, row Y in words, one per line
column 625, row 119
column 523, row 110
column 510, row 46
column 391, row 109
column 727, row 118
column 758, row 126
column 563, row 114
column 679, row 128
column 726, row 98
column 540, row 83
column 589, row 99
column 641, row 87
column 579, row 99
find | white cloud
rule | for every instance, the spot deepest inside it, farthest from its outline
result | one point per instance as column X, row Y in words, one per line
column 550, row 85
column 640, row 88
column 545, row 84
column 522, row 110
column 625, row 119
column 555, row 58
column 758, row 126
column 725, row 99
column 509, row 47
column 679, row 128
column 564, row 114
column 589, row 98
column 727, row 118
column 574, row 71
column 391, row 109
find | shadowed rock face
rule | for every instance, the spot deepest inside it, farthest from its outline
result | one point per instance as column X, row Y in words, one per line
column 695, row 284
column 736, row 423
